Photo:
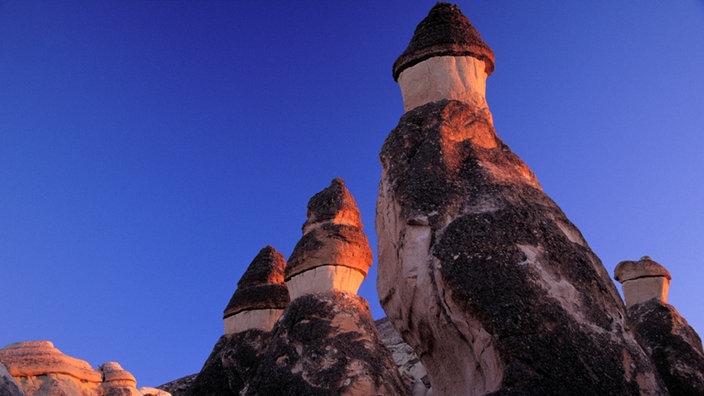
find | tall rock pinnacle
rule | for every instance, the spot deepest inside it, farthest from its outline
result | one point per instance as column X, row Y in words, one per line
column 479, row 270
column 334, row 252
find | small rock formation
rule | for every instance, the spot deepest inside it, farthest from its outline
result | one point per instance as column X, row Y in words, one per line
column 410, row 367
column 41, row 369
column 672, row 344
column 180, row 386
column 255, row 306
column 643, row 280
column 333, row 253
column 479, row 270
column 326, row 343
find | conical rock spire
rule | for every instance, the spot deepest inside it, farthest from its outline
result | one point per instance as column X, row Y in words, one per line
column 261, row 294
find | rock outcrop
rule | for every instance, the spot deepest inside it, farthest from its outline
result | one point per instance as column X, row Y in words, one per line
column 41, row 369
column 326, row 343
column 479, row 270
column 256, row 305
column 672, row 344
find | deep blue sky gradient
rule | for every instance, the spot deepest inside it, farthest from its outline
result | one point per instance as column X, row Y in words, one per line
column 149, row 149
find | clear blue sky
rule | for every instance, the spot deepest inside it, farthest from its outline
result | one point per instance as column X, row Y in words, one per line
column 149, row 149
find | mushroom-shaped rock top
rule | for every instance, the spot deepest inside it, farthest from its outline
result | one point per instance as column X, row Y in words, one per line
column 332, row 234
column 262, row 285
column 113, row 372
column 643, row 268
column 444, row 32
column 33, row 358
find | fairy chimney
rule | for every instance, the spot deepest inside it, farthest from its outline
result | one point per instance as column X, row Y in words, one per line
column 333, row 253
column 261, row 294
column 643, row 280
column 446, row 59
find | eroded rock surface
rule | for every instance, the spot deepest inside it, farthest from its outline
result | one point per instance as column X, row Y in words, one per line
column 406, row 360
column 326, row 344
column 8, row 385
column 483, row 274
column 41, row 369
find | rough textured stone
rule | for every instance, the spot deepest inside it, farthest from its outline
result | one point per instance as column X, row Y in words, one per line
column 261, row 294
column 332, row 236
column 8, row 385
column 327, row 344
column 643, row 280
column 484, row 275
column 179, row 387
column 672, row 344
column 148, row 391
column 444, row 32
column 409, row 366
column 230, row 366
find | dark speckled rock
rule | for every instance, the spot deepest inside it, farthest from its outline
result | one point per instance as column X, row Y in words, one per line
column 483, row 274
column 672, row 344
column 327, row 344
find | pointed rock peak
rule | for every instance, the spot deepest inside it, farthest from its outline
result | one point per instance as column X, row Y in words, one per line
column 267, row 267
column 444, row 32
column 643, row 268
column 261, row 286
column 334, row 205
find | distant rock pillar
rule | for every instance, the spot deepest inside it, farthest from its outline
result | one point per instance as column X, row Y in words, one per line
column 643, row 280
column 434, row 67
column 261, row 294
column 334, row 253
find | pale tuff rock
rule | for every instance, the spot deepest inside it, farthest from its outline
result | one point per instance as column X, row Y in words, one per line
column 482, row 273
column 41, row 369
column 147, row 391
column 261, row 294
column 410, row 367
column 332, row 237
column 643, row 280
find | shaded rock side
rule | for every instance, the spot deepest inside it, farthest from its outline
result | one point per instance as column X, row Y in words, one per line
column 230, row 366
column 180, row 386
column 409, row 365
column 8, row 385
column 672, row 345
column 483, row 274
column 326, row 344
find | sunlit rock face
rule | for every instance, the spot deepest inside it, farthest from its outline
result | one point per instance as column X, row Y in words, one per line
column 41, row 369
column 672, row 344
column 254, row 308
column 481, row 272
column 643, row 280
column 334, row 252
column 261, row 294
column 326, row 344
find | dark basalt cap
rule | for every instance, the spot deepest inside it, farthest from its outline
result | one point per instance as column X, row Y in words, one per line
column 334, row 203
column 262, row 285
column 643, row 268
column 444, row 32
